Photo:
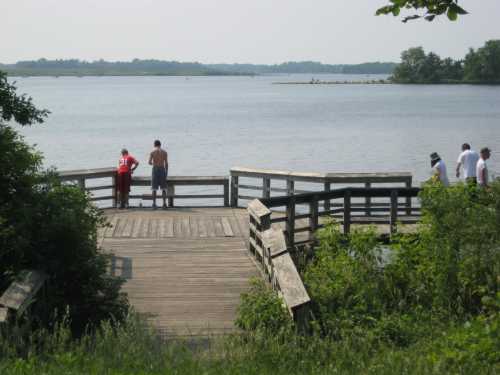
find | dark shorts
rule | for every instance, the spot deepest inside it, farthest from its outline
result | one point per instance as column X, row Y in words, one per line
column 159, row 178
column 123, row 181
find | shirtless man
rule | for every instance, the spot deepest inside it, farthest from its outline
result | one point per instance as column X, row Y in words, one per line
column 159, row 160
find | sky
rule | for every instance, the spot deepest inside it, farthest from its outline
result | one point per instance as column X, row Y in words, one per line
column 232, row 31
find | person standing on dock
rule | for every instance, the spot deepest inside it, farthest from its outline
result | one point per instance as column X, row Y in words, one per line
column 439, row 169
column 482, row 168
column 159, row 160
column 126, row 165
column 468, row 161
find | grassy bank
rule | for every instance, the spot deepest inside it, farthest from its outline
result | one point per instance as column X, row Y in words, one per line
column 132, row 348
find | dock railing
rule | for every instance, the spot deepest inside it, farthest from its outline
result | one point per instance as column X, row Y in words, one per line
column 244, row 187
column 104, row 179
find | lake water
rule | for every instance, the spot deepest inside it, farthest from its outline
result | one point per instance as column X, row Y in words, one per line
column 210, row 124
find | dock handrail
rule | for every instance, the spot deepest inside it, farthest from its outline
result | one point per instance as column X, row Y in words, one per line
column 326, row 182
column 268, row 246
column 81, row 177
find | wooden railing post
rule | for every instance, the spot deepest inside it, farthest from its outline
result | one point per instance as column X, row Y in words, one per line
column 408, row 199
column 234, row 191
column 81, row 183
column 226, row 193
column 368, row 201
column 347, row 212
column 266, row 187
column 313, row 219
column 290, row 222
column 114, row 191
column 170, row 194
column 326, row 204
column 394, row 211
column 290, row 187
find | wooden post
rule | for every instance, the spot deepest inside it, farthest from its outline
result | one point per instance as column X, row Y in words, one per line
column 266, row 187
column 394, row 211
column 114, row 191
column 81, row 183
column 326, row 204
column 408, row 199
column 290, row 222
column 368, row 201
column 226, row 193
column 313, row 220
column 170, row 194
column 290, row 187
column 234, row 191
column 347, row 212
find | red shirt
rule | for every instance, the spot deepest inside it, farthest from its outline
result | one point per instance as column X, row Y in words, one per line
column 125, row 164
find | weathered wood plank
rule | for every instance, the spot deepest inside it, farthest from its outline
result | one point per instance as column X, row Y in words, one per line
column 153, row 228
column 186, row 231
column 289, row 281
column 127, row 228
column 202, row 228
column 137, row 228
column 228, row 231
column 193, row 226
column 219, row 232
column 20, row 293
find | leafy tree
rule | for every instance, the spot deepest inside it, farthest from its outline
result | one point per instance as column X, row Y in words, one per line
column 428, row 9
column 483, row 65
column 50, row 227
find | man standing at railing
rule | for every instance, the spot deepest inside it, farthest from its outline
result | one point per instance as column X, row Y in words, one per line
column 126, row 165
column 159, row 160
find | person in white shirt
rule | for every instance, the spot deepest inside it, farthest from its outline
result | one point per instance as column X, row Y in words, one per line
column 482, row 167
column 439, row 169
column 468, row 161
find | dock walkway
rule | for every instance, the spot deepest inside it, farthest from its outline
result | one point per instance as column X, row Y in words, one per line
column 185, row 268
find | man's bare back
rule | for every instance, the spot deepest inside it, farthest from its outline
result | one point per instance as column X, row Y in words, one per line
column 158, row 158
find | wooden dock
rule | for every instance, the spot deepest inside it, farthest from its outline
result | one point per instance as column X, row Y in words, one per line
column 185, row 268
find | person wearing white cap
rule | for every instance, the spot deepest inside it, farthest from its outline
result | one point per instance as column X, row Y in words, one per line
column 439, row 169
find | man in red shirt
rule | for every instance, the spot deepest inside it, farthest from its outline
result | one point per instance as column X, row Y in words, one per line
column 126, row 166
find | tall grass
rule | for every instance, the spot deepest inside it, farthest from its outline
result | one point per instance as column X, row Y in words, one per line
column 132, row 347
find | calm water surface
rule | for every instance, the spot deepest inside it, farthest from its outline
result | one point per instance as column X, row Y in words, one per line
column 210, row 124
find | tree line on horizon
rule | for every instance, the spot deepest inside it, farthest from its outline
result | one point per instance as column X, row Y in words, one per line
column 77, row 67
column 478, row 66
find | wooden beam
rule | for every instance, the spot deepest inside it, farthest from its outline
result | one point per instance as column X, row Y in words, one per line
column 19, row 294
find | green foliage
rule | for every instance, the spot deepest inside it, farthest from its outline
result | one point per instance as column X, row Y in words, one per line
column 418, row 67
column 15, row 107
column 483, row 65
column 465, row 349
column 449, row 271
column 50, row 227
column 261, row 309
column 458, row 248
column 427, row 9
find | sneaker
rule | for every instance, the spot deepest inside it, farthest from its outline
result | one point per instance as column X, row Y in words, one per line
column 155, row 207
column 164, row 207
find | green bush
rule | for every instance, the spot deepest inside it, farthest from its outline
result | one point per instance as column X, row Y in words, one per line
column 261, row 309
column 50, row 227
column 449, row 270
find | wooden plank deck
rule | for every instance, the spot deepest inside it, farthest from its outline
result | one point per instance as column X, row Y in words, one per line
column 185, row 268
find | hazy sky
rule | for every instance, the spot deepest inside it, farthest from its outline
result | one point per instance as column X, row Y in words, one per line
column 256, row 31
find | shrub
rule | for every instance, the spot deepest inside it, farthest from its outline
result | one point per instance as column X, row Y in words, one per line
column 50, row 227
column 261, row 309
